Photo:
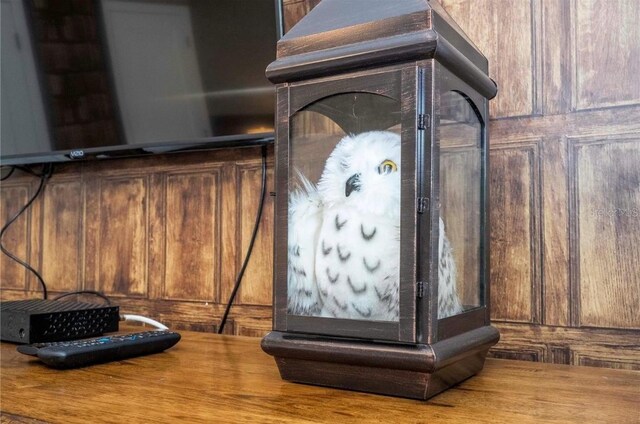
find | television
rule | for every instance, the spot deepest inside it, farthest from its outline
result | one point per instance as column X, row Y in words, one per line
column 89, row 79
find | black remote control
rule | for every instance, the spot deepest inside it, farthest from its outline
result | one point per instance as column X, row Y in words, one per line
column 80, row 353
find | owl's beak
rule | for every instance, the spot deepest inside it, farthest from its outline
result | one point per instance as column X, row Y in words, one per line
column 353, row 183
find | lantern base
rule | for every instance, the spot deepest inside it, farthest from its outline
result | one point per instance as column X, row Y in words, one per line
column 417, row 371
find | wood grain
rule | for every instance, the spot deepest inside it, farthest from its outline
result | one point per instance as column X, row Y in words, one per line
column 259, row 269
column 555, row 233
column 294, row 10
column 607, row 62
column 504, row 32
column 163, row 236
column 210, row 378
column 607, row 230
column 122, row 235
column 191, row 267
column 556, row 58
column 565, row 345
column 62, row 243
column 514, row 258
column 15, row 240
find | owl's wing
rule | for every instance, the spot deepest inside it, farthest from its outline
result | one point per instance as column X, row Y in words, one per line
column 305, row 218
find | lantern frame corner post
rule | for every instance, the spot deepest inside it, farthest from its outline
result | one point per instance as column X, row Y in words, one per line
column 445, row 82
column 281, row 204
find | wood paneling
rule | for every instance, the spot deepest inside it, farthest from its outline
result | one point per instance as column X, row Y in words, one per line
column 573, row 194
column 192, row 239
column 505, row 32
column 606, row 361
column 251, row 327
column 606, row 46
column 606, row 200
column 525, row 352
column 16, row 238
column 515, row 287
column 555, row 233
column 121, row 231
column 294, row 10
column 260, row 268
column 163, row 236
column 575, row 346
column 63, row 236
column 556, row 56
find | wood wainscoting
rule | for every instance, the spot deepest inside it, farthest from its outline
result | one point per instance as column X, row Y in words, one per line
column 162, row 236
column 165, row 235
column 565, row 176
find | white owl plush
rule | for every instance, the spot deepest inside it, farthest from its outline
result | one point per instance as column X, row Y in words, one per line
column 344, row 236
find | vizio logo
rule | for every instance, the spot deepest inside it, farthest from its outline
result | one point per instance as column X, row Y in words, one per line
column 76, row 154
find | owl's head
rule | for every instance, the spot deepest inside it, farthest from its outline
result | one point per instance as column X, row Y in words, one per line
column 363, row 171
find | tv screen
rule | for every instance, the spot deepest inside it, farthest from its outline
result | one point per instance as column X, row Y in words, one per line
column 104, row 78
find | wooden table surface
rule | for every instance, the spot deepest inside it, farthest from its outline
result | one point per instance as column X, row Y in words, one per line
column 226, row 379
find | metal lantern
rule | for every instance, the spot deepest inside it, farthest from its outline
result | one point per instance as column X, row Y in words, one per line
column 382, row 236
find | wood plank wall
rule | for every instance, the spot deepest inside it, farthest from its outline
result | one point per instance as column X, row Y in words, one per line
column 165, row 235
column 565, row 176
column 162, row 236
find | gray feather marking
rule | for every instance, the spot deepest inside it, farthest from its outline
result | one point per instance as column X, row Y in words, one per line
column 343, row 258
column 381, row 297
column 354, row 289
column 371, row 269
column 366, row 236
column 332, row 280
column 299, row 271
column 340, row 305
column 339, row 224
column 366, row 314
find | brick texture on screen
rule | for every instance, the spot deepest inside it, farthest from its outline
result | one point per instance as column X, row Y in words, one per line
column 75, row 73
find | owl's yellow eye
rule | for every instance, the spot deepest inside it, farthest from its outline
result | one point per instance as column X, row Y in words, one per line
column 387, row 167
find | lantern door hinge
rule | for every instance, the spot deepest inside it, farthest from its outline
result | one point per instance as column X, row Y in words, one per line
column 424, row 121
column 420, row 289
column 423, row 204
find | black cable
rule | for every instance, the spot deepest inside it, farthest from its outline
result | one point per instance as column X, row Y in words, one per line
column 93, row 292
column 46, row 170
column 13, row 168
column 44, row 176
column 263, row 190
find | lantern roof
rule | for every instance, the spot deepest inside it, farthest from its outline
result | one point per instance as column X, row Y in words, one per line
column 345, row 35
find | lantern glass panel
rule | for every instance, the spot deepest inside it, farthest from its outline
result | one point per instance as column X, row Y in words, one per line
column 344, row 208
column 461, row 194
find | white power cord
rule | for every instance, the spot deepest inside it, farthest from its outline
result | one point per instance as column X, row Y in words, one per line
column 140, row 318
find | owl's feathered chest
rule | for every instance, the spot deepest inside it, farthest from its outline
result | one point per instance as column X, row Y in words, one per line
column 357, row 257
